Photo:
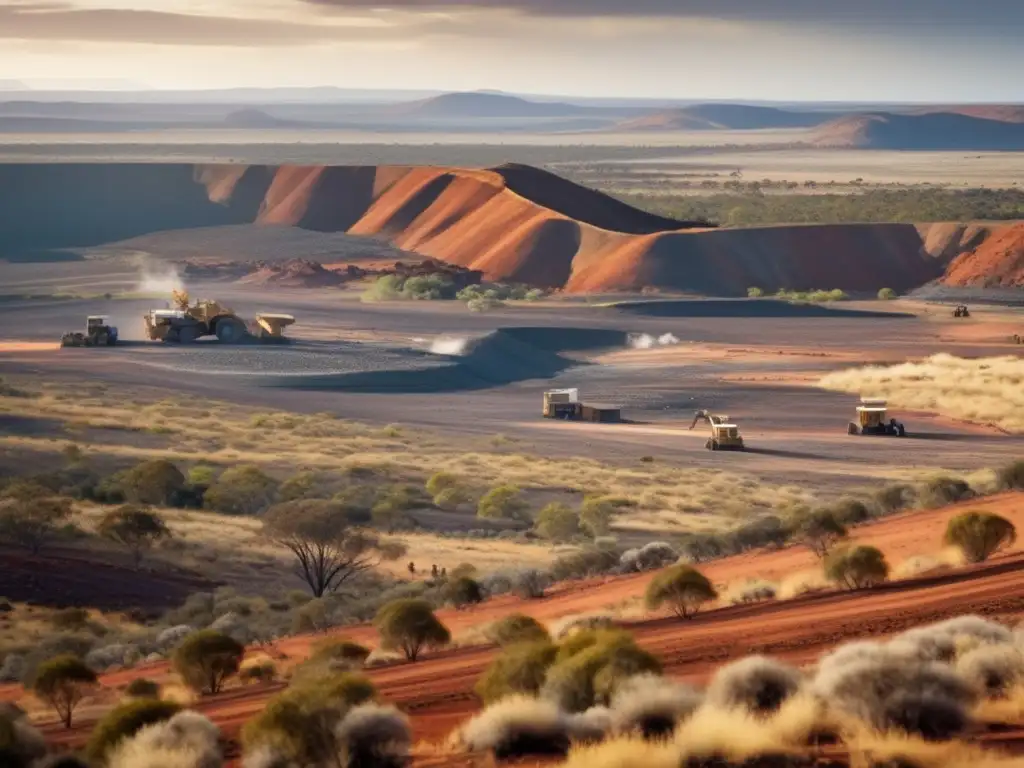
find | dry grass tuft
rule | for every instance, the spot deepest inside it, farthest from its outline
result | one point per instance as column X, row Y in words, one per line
column 517, row 726
column 756, row 685
column 625, row 753
column 987, row 390
column 872, row 750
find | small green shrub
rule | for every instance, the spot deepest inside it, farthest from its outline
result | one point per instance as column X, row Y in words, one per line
column 141, row 688
column 206, row 659
column 242, row 490
column 887, row 294
column 682, row 589
column 504, row 502
column 1011, row 477
column 856, row 567
column 126, row 720
column 979, row 535
column 557, row 522
column 463, row 591
column 517, row 628
column 820, row 532
column 410, row 626
column 754, row 292
column 519, row 669
column 63, row 682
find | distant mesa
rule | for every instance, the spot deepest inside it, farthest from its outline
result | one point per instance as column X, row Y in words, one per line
column 482, row 104
column 715, row 117
column 931, row 130
column 257, row 118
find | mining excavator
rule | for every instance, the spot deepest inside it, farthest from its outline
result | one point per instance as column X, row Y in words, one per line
column 185, row 323
column 871, row 420
column 724, row 435
column 961, row 311
column 98, row 333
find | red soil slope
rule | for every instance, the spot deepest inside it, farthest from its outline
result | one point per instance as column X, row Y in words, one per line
column 998, row 261
column 522, row 224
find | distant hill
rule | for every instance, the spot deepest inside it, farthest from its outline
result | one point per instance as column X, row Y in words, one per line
column 715, row 117
column 932, row 130
column 485, row 105
column 257, row 118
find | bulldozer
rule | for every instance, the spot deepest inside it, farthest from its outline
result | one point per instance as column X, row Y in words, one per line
column 185, row 323
column 98, row 333
column 725, row 436
column 871, row 420
column 961, row 311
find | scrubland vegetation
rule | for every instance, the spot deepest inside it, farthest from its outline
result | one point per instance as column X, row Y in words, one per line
column 985, row 390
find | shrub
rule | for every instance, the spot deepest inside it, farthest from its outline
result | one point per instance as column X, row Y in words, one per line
column 851, row 511
column 939, row 642
column 752, row 591
column 857, row 567
column 979, row 535
column 126, row 720
column 186, row 740
column 242, row 490
column 63, row 682
column 156, row 482
column 503, row 503
column 517, row 628
column 585, row 563
column 886, row 294
column 206, row 659
column 441, row 481
column 134, row 528
column 410, row 626
column 942, row 491
column 141, row 688
column 590, row 666
column 754, row 292
column 518, row 726
column 21, row 745
column 260, row 672
column 993, row 669
column 342, row 654
column 33, row 521
column 682, row 589
column 1011, row 477
column 820, row 531
column 649, row 557
column 895, row 497
column 530, row 583
column 70, row 618
column 756, row 685
column 569, row 625
column 374, row 736
column 463, row 591
column 557, row 522
column 519, row 669
column 450, row 499
column 596, row 515
column 891, row 693
column 651, row 706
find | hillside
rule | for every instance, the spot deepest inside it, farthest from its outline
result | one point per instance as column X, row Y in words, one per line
column 709, row 117
column 997, row 262
column 932, row 130
column 511, row 222
column 483, row 105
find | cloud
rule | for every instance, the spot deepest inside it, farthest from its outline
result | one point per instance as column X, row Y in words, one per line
column 65, row 22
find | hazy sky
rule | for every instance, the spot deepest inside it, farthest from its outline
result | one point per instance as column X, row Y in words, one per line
column 925, row 50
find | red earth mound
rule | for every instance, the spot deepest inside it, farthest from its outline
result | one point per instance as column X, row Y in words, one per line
column 295, row 273
column 997, row 262
column 521, row 224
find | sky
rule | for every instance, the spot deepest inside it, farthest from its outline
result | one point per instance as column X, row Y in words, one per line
column 787, row 50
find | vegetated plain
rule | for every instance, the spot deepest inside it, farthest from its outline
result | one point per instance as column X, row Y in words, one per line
column 469, row 479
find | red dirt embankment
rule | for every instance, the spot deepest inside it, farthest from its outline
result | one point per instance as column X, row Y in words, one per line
column 526, row 225
column 997, row 262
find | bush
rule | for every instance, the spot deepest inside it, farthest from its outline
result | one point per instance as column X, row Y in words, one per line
column 596, row 515
column 756, row 685
column 70, row 618
column 516, row 727
column 33, row 521
column 994, row 670
column 820, row 531
column 410, row 626
column 441, row 481
column 570, row 625
column 374, row 736
column 851, row 511
column 857, row 567
column 979, row 535
column 342, row 654
column 519, row 669
column 649, row 557
column 503, row 503
column 585, row 563
column 652, row 706
column 63, row 682
column 206, row 659
column 21, row 745
column 187, row 740
column 156, row 482
column 682, row 589
column 1011, row 477
column 754, row 292
column 886, row 294
column 530, row 583
column 942, row 491
column 590, row 666
column 124, row 721
column 517, row 628
column 260, row 672
column 895, row 497
column 463, row 591
column 141, row 688
column 893, row 694
column 557, row 522
column 243, row 490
